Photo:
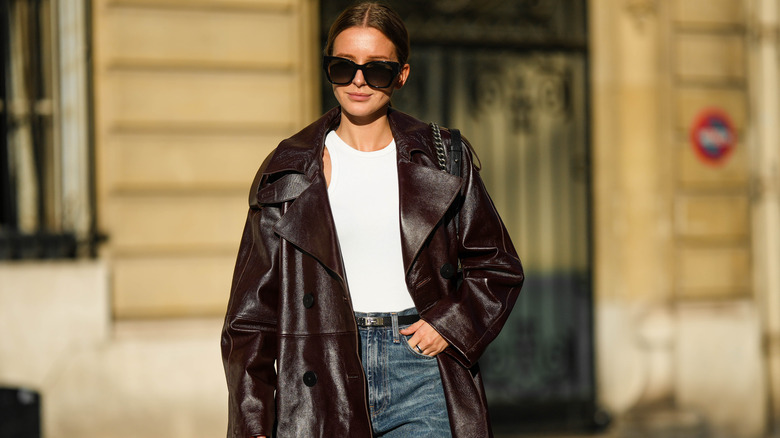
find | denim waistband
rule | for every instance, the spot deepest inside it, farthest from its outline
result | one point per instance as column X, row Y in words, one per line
column 393, row 316
column 410, row 311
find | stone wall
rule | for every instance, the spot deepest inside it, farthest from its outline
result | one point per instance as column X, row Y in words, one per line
column 190, row 97
column 678, row 321
column 100, row 378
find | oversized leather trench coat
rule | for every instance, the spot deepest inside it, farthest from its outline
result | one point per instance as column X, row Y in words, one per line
column 289, row 342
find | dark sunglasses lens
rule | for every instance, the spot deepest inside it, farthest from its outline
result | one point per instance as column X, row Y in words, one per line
column 341, row 72
column 379, row 75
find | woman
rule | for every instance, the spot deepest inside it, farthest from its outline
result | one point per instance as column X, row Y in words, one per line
column 342, row 320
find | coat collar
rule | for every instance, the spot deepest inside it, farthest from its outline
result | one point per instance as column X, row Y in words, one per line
column 425, row 192
column 302, row 152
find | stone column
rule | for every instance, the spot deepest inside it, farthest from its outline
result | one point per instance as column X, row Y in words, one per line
column 765, row 60
column 631, row 203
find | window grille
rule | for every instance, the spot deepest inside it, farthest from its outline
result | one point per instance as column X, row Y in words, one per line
column 46, row 194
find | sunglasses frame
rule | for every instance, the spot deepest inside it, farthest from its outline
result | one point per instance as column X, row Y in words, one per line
column 327, row 60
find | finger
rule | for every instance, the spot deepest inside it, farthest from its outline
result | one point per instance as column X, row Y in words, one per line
column 425, row 351
column 415, row 341
column 434, row 350
column 412, row 328
column 433, row 340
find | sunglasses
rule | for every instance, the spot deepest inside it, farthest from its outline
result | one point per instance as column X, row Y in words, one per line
column 378, row 74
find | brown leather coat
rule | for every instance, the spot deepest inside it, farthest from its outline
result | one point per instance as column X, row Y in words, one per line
column 289, row 342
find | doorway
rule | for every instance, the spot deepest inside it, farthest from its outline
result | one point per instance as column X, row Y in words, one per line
column 512, row 76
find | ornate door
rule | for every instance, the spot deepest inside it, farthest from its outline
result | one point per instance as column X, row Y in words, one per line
column 512, row 76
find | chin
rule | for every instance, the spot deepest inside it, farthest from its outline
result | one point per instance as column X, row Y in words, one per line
column 361, row 111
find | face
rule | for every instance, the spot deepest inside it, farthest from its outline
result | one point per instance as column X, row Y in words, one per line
column 362, row 45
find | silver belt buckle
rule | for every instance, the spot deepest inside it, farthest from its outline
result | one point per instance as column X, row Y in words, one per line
column 371, row 321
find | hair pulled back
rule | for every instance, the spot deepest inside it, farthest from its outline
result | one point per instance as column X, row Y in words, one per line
column 378, row 16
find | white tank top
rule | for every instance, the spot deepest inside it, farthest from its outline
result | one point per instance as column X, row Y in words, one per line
column 363, row 195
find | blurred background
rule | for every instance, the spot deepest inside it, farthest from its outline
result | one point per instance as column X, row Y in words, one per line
column 631, row 146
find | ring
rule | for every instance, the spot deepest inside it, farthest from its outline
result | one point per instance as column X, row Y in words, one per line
column 418, row 348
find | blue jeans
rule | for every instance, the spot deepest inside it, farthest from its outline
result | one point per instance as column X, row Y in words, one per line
column 405, row 393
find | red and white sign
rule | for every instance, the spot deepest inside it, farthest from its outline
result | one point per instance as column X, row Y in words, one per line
column 713, row 136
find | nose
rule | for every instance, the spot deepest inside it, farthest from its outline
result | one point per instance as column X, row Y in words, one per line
column 359, row 80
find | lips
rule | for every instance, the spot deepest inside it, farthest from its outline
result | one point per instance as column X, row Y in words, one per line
column 359, row 97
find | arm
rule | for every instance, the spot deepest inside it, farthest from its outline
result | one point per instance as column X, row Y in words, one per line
column 472, row 317
column 249, row 332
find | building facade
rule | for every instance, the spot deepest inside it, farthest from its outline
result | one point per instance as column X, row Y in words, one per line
column 180, row 100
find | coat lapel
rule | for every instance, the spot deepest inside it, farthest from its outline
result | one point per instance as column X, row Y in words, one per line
column 286, row 188
column 308, row 224
column 425, row 195
column 425, row 191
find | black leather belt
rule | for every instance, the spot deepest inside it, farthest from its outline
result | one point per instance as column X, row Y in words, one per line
column 385, row 321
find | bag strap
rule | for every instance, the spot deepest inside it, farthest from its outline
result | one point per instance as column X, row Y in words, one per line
column 440, row 154
column 448, row 162
column 456, row 149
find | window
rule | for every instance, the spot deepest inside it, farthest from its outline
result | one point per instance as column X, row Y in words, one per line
column 46, row 201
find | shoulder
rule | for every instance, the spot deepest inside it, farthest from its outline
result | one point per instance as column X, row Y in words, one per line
column 411, row 134
column 295, row 154
column 410, row 129
column 417, row 135
column 406, row 123
column 308, row 137
column 259, row 179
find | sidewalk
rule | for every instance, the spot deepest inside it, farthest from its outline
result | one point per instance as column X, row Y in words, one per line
column 650, row 423
column 654, row 423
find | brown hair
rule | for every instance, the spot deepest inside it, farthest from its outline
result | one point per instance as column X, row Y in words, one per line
column 378, row 16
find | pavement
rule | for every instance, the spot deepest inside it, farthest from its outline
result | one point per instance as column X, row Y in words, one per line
column 652, row 423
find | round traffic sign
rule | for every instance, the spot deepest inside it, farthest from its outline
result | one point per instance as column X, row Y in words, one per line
column 713, row 136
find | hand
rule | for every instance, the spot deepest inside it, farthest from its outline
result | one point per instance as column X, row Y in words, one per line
column 429, row 341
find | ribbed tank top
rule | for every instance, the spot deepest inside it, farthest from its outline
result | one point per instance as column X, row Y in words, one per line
column 363, row 195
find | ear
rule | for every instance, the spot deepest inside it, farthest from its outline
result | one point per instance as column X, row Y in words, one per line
column 403, row 76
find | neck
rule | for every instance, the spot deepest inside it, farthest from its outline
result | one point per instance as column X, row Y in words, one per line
column 365, row 134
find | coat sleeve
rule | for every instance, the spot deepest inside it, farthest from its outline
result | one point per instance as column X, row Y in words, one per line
column 471, row 317
column 249, row 331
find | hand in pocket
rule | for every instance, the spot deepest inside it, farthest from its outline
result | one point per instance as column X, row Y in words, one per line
column 425, row 339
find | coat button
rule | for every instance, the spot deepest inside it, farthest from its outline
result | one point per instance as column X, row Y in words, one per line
column 448, row 270
column 310, row 378
column 308, row 301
